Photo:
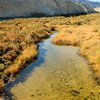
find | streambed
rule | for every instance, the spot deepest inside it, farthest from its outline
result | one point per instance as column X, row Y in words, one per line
column 59, row 73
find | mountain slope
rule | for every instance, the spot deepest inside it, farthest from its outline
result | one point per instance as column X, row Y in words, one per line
column 92, row 4
column 26, row 8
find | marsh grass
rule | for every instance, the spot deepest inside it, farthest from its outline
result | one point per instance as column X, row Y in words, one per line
column 84, row 32
column 19, row 38
column 18, row 43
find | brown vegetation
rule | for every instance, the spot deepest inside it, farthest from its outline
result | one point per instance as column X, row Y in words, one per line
column 26, row 56
column 18, row 43
column 84, row 32
column 1, row 85
column 19, row 38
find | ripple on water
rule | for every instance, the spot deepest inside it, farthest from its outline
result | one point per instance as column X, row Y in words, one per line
column 58, row 74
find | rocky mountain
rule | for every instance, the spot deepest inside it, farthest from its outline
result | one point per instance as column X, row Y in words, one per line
column 27, row 8
column 97, row 9
column 90, row 3
column 94, row 4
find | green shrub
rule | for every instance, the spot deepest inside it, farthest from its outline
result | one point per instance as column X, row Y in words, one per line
column 1, row 66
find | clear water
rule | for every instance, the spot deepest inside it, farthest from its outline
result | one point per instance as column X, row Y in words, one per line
column 59, row 73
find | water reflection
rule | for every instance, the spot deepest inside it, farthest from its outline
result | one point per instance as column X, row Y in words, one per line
column 59, row 73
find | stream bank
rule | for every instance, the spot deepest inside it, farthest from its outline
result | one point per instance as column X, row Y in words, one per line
column 59, row 73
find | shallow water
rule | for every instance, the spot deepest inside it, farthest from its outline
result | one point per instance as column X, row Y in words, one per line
column 59, row 73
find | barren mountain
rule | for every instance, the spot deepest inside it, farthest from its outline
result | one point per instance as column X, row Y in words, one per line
column 26, row 8
column 90, row 3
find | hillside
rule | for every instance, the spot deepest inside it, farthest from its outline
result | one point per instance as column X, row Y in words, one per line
column 27, row 8
column 90, row 3
column 97, row 9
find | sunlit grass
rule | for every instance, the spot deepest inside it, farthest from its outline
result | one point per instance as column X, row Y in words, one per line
column 18, row 43
column 19, row 38
column 86, row 35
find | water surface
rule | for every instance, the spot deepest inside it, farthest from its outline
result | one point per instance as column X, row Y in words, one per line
column 59, row 73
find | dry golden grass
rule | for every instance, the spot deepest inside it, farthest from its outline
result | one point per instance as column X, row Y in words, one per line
column 84, row 35
column 16, row 35
column 28, row 54
column 19, row 38
column 1, row 85
column 18, row 43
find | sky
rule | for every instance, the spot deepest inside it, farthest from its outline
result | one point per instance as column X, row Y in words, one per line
column 95, row 0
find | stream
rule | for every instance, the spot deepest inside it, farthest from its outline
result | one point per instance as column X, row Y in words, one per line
column 59, row 73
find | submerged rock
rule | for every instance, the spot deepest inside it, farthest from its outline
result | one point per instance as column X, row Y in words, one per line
column 34, row 8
